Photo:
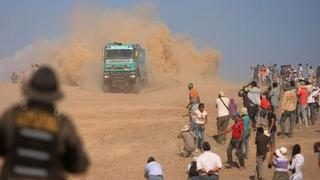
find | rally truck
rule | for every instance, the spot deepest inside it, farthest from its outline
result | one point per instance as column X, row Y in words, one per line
column 124, row 67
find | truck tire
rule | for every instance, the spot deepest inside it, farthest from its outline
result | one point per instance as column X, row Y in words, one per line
column 105, row 88
column 137, row 86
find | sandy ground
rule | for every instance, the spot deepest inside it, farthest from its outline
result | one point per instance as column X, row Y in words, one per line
column 120, row 131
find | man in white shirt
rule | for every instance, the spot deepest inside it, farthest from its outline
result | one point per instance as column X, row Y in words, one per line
column 208, row 163
column 222, row 103
column 312, row 104
column 153, row 170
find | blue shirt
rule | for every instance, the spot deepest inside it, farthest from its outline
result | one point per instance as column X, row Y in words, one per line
column 153, row 169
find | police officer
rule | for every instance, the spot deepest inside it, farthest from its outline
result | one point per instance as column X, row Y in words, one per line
column 37, row 141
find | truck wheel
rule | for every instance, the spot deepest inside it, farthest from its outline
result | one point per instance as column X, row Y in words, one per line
column 137, row 86
column 105, row 89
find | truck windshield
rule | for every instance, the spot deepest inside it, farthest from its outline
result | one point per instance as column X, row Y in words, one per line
column 119, row 54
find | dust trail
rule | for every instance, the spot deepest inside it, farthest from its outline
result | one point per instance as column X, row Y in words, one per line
column 77, row 56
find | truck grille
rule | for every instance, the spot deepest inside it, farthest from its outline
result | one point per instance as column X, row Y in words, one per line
column 119, row 78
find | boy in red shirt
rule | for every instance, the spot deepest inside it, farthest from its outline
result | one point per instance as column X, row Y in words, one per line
column 303, row 94
column 265, row 104
column 235, row 142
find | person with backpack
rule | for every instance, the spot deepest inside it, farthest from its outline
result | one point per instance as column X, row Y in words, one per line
column 37, row 140
column 222, row 104
column 192, row 172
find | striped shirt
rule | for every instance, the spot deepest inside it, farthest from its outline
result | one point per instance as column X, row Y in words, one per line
column 281, row 164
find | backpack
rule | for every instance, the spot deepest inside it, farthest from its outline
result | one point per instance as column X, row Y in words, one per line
column 193, row 169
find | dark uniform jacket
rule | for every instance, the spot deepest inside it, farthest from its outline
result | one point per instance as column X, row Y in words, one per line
column 39, row 142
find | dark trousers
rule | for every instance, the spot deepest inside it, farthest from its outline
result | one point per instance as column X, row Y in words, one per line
column 222, row 125
column 252, row 112
column 312, row 109
column 235, row 144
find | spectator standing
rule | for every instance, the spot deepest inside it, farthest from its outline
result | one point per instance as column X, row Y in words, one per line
column 222, row 103
column 288, row 109
column 274, row 95
column 312, row 104
column 296, row 163
column 201, row 121
column 261, row 142
column 265, row 104
column 232, row 107
column 254, row 102
column 194, row 97
column 303, row 94
column 153, row 170
column 37, row 140
column 246, row 132
column 235, row 142
column 244, row 94
column 193, row 105
column 14, row 78
column 272, row 129
column 208, row 164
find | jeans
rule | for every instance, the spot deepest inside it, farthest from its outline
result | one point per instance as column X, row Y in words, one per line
column 302, row 110
column 200, row 136
column 252, row 112
column 284, row 117
column 151, row 177
column 235, row 144
column 222, row 125
column 245, row 142
column 212, row 177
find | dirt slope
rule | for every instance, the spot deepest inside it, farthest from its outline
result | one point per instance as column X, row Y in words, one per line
column 121, row 131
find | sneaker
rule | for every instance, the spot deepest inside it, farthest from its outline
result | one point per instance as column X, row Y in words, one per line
column 242, row 168
column 282, row 136
column 228, row 166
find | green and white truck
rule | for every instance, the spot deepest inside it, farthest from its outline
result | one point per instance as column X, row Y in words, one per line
column 124, row 67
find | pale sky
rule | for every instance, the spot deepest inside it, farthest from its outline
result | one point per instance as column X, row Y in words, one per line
column 246, row 32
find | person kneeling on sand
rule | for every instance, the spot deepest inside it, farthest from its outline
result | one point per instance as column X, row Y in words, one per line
column 153, row 170
column 188, row 138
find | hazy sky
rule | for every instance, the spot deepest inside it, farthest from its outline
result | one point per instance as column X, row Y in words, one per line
column 246, row 32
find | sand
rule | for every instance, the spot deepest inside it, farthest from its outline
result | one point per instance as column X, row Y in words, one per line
column 120, row 131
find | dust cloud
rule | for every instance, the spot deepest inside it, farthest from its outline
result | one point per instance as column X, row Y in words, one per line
column 78, row 56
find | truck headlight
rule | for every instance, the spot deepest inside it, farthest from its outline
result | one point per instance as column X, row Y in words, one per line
column 132, row 76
